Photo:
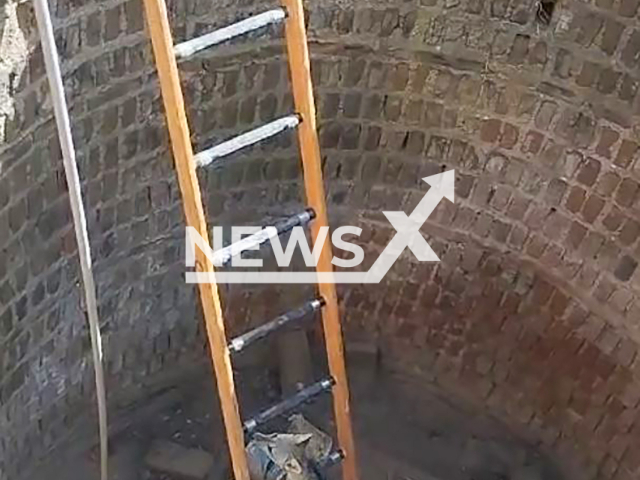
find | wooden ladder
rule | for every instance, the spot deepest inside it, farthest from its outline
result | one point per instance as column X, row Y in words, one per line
column 304, row 119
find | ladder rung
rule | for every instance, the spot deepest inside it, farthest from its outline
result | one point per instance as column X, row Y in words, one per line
column 243, row 140
column 224, row 255
column 239, row 343
column 188, row 48
column 288, row 404
column 334, row 458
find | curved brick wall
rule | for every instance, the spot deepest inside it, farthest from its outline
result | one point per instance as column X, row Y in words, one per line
column 532, row 313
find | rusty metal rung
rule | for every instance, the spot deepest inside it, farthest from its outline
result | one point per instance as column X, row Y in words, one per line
column 288, row 404
column 240, row 343
column 224, row 255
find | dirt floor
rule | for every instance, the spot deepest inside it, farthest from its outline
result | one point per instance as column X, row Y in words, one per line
column 405, row 431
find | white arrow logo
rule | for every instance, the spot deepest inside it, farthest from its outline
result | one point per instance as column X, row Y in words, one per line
column 408, row 227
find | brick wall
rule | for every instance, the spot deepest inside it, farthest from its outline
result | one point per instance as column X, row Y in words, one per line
column 533, row 311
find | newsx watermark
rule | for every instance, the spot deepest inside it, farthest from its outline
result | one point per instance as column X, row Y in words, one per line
column 246, row 238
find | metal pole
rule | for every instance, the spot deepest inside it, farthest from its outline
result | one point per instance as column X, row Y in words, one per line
column 61, row 113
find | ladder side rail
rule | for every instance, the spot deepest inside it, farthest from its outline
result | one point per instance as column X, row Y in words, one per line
column 192, row 201
column 299, row 66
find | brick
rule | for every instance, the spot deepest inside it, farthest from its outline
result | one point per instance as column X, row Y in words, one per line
column 438, row 147
column 352, row 104
column 577, row 127
column 630, row 232
column 627, row 192
column 608, row 81
column 415, row 142
column 611, row 36
column 372, row 138
column 588, row 26
column 399, row 78
column 509, row 136
column 538, row 54
column 93, row 29
column 413, row 111
column 373, row 107
column 631, row 51
column 564, row 64
column 271, row 73
column 490, row 130
column 519, row 49
column 589, row 171
column 450, row 119
column 628, row 8
column 134, row 16
column 518, row 207
column 433, row 115
column 607, row 183
column 390, row 21
column 500, row 198
column 6, row 322
column 330, row 135
column 626, row 154
column 555, row 191
column 445, row 84
column 112, row 24
column 592, row 208
column 418, row 77
column 576, row 199
column 588, row 74
column 518, row 237
column 621, row 299
column 614, row 220
column 266, row 108
column 248, row 107
column 392, row 108
column 606, row 4
column 408, row 23
column 532, row 142
column 545, row 115
column 536, row 246
column 628, row 88
column 626, row 268
column 608, row 138
column 464, row 184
